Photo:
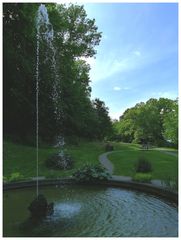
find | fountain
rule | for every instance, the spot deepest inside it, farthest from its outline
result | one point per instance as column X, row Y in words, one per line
column 39, row 207
column 106, row 210
column 45, row 33
column 61, row 160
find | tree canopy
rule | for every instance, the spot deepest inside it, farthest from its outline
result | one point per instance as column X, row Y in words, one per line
column 155, row 121
column 64, row 75
column 75, row 38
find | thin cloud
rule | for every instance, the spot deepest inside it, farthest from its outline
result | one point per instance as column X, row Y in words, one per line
column 104, row 68
column 120, row 89
column 137, row 53
column 117, row 88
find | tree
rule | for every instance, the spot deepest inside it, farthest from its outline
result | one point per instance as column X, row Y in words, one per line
column 75, row 36
column 170, row 124
column 148, row 122
column 104, row 125
column 125, row 127
column 18, row 65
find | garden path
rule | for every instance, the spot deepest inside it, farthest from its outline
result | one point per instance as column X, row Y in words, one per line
column 105, row 162
column 170, row 153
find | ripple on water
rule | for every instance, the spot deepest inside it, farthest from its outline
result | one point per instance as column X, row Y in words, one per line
column 103, row 212
column 65, row 210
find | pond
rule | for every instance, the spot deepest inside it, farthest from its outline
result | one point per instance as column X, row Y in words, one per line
column 91, row 211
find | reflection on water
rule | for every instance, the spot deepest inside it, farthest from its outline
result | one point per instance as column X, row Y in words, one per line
column 93, row 211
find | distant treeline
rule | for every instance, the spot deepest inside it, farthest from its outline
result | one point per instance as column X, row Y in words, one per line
column 154, row 122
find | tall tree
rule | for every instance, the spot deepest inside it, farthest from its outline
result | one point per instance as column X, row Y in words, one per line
column 75, row 36
column 148, row 122
column 18, row 69
column 104, row 125
column 170, row 124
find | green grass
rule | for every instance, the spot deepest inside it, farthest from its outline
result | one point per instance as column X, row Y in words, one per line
column 125, row 146
column 22, row 159
column 164, row 165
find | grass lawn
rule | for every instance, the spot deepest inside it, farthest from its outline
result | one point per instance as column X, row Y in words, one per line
column 22, row 159
column 164, row 165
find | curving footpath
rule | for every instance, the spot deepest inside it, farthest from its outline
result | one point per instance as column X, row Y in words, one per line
column 103, row 159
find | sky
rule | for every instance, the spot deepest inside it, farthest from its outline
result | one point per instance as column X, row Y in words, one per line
column 137, row 58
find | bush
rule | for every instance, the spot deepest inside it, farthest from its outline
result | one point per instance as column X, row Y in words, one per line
column 89, row 173
column 109, row 147
column 142, row 177
column 143, row 165
column 16, row 176
column 59, row 161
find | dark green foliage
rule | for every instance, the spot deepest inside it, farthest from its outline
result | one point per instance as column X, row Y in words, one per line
column 90, row 173
column 39, row 207
column 170, row 124
column 75, row 37
column 18, row 69
column 143, row 165
column 72, row 140
column 103, row 128
column 59, row 161
column 109, row 147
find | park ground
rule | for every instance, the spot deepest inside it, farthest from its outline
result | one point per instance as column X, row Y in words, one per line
column 19, row 161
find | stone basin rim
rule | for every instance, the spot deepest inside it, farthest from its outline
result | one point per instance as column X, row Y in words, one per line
column 129, row 185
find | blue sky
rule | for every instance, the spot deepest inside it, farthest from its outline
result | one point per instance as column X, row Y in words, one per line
column 137, row 58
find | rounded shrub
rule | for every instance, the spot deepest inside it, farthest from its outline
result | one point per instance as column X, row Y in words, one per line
column 143, row 165
column 59, row 161
column 90, row 173
column 109, row 147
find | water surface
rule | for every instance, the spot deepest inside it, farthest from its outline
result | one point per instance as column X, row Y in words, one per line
column 92, row 211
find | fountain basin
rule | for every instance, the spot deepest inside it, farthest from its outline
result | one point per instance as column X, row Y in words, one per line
column 89, row 210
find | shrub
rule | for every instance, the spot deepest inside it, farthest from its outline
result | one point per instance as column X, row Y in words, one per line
column 90, row 173
column 109, row 147
column 16, row 176
column 59, row 161
column 143, row 165
column 142, row 177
